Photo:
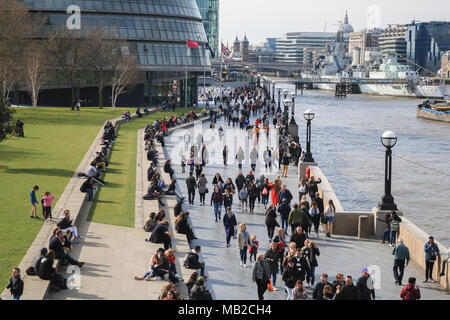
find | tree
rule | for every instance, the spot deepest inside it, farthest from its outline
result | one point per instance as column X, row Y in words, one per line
column 15, row 29
column 34, row 72
column 124, row 73
column 5, row 120
column 101, row 49
column 68, row 56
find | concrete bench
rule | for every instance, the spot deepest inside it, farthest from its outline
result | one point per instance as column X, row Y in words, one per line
column 71, row 199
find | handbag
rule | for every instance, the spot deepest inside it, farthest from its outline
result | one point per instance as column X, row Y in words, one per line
column 270, row 286
column 206, row 190
column 323, row 218
column 264, row 192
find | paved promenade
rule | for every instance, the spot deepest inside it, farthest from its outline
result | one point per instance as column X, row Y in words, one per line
column 229, row 280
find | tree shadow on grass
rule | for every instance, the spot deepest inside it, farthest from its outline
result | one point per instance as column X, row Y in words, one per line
column 9, row 155
column 42, row 172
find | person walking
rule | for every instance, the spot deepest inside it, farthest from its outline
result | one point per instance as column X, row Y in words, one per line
column 302, row 189
column 411, row 291
column 329, row 215
column 268, row 158
column 272, row 257
column 216, row 202
column 227, row 199
column 225, row 156
column 431, row 253
column 365, row 286
column 284, row 209
column 265, row 189
column 191, row 186
column 312, row 252
column 285, row 162
column 290, row 277
column 253, row 250
column 243, row 241
column 387, row 229
column 15, row 284
column 243, row 195
column 202, row 189
column 275, row 188
column 295, row 218
column 254, row 158
column 401, row 253
column 348, row 291
column 261, row 275
column 240, row 157
column 271, row 221
column 394, row 223
column 318, row 289
column 230, row 223
column 253, row 193
column 314, row 212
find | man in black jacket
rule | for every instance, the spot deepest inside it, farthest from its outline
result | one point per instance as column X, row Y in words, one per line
column 240, row 182
column 192, row 261
column 284, row 194
column 57, row 247
column 290, row 276
column 365, row 286
column 191, row 185
column 298, row 237
column 318, row 289
column 15, row 285
column 37, row 260
column 348, row 292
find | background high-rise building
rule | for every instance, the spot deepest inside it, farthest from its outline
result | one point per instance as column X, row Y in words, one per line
column 393, row 42
column 209, row 9
column 290, row 47
column 155, row 34
column 426, row 43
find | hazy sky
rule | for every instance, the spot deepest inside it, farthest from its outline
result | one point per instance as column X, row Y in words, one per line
column 261, row 19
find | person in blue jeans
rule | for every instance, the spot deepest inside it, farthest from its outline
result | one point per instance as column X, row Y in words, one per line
column 217, row 201
column 34, row 202
column 15, row 285
column 243, row 241
column 394, row 223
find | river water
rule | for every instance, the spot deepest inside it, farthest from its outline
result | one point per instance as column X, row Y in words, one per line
column 346, row 145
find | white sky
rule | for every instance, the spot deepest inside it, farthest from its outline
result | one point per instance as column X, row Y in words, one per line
column 261, row 19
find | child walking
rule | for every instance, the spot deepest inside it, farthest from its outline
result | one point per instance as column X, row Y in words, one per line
column 253, row 250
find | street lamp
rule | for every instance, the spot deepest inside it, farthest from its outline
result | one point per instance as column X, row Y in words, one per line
column 285, row 93
column 279, row 98
column 293, row 97
column 389, row 140
column 287, row 104
column 309, row 116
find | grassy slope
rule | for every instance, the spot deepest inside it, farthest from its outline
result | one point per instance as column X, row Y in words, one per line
column 55, row 142
column 115, row 203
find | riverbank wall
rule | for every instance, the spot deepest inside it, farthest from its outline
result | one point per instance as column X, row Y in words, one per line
column 363, row 224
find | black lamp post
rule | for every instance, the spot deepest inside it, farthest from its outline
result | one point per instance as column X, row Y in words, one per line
column 309, row 116
column 293, row 97
column 273, row 92
column 389, row 140
column 279, row 98
column 287, row 104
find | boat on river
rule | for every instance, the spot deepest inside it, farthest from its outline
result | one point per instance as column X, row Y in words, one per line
column 434, row 110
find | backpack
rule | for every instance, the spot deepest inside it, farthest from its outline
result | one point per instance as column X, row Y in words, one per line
column 30, row 271
column 189, row 260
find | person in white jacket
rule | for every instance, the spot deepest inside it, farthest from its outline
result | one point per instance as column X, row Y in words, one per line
column 240, row 157
column 268, row 158
column 253, row 158
column 329, row 213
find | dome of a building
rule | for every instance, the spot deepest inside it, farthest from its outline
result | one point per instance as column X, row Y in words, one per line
column 347, row 27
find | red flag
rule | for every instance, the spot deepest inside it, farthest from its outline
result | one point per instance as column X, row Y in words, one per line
column 192, row 44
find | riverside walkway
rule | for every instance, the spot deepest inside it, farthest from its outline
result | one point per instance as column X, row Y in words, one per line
column 228, row 279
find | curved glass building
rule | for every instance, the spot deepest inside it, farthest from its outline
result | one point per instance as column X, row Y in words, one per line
column 156, row 32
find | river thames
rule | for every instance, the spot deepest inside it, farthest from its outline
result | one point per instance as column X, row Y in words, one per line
column 346, row 145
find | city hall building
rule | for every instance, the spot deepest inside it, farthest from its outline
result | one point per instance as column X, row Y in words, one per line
column 155, row 32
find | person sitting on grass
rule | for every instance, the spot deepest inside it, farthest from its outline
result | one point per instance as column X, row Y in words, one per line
column 150, row 274
column 56, row 245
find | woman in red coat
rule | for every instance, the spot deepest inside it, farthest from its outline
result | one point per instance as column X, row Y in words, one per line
column 275, row 188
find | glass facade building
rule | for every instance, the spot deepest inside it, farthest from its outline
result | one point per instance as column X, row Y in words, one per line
column 426, row 43
column 155, row 31
column 209, row 10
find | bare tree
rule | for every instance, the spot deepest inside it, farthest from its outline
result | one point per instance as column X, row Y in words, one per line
column 68, row 56
column 35, row 72
column 124, row 73
column 15, row 29
column 101, row 47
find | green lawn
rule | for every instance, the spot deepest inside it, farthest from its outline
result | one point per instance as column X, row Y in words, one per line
column 115, row 203
column 56, row 140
